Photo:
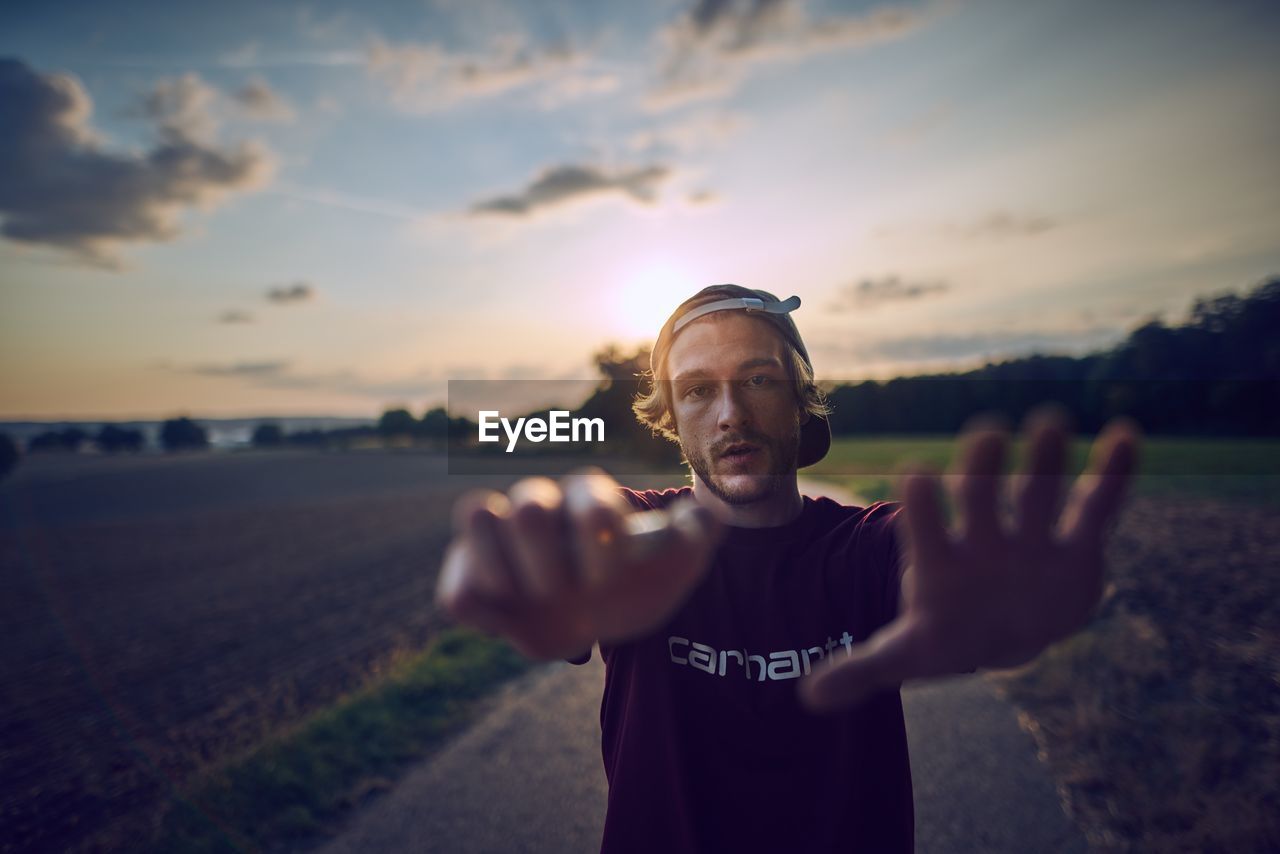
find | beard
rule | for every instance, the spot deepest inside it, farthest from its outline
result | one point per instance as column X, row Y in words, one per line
column 781, row 451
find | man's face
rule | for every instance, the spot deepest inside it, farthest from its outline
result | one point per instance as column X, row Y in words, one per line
column 734, row 406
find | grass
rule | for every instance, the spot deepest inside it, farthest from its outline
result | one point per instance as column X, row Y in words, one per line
column 296, row 786
column 1244, row 470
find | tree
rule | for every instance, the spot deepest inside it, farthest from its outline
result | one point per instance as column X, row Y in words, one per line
column 621, row 374
column 183, row 434
column 396, row 422
column 69, row 439
column 434, row 426
column 9, row 455
column 268, row 435
column 112, row 439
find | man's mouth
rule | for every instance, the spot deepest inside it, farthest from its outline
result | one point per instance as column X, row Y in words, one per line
column 740, row 452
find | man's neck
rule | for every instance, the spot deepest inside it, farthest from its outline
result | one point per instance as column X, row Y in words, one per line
column 781, row 506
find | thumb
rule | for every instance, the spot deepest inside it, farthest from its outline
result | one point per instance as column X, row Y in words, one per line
column 667, row 558
column 687, row 528
column 845, row 680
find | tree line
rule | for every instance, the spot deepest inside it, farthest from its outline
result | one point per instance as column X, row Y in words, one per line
column 1217, row 374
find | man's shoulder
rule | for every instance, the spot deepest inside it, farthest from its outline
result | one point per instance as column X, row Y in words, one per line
column 653, row 499
column 831, row 513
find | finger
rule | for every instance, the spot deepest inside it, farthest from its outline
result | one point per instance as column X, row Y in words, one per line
column 537, row 536
column 650, row 589
column 492, row 565
column 471, row 501
column 980, row 468
column 1098, row 494
column 596, row 514
column 927, row 542
column 884, row 660
column 1039, row 487
column 459, row 596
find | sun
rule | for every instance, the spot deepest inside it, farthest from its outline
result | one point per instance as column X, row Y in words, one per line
column 648, row 296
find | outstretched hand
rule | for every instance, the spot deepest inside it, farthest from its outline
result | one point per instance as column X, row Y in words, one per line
column 991, row 594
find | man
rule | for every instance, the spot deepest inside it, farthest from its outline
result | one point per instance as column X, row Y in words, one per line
column 753, row 658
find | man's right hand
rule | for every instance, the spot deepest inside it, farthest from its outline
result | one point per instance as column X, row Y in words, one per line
column 556, row 567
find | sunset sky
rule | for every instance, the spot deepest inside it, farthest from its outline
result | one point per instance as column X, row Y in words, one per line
column 243, row 209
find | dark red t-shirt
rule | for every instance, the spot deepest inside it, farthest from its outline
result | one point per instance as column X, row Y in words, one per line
column 706, row 746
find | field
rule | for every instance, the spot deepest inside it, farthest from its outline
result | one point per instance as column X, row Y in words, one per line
column 1230, row 469
column 165, row 615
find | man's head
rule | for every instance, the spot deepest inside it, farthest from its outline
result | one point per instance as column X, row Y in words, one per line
column 733, row 385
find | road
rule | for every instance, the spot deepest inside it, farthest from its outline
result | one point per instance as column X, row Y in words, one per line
column 529, row 777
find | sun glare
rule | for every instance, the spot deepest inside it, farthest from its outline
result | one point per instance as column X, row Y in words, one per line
column 648, row 296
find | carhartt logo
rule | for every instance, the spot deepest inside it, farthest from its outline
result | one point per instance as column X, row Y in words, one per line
column 785, row 664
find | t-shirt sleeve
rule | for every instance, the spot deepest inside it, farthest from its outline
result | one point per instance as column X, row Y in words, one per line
column 888, row 555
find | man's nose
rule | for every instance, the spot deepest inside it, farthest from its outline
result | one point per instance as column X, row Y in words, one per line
column 733, row 412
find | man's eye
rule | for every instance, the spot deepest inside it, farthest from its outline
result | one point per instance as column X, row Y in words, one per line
column 758, row 380
column 695, row 391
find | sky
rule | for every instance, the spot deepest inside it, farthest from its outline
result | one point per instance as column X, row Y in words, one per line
column 243, row 209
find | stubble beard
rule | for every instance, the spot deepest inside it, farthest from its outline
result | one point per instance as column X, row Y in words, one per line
column 783, row 453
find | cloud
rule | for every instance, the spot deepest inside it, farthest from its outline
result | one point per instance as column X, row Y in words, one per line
column 289, row 294
column 869, row 294
column 239, row 369
column 186, row 107
column 1004, row 224
column 693, row 133
column 257, row 100
column 182, row 108
column 576, row 86
column 559, row 185
column 936, row 349
column 278, row 374
column 708, row 51
column 344, row 201
column 235, row 316
column 427, row 77
column 60, row 188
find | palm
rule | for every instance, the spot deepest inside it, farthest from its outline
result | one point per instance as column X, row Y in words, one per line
column 992, row 594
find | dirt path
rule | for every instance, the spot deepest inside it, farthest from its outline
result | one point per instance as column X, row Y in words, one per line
column 529, row 777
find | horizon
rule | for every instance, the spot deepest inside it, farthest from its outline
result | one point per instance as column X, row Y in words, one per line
column 419, row 410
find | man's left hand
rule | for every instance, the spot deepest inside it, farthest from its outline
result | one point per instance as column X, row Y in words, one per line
column 991, row 595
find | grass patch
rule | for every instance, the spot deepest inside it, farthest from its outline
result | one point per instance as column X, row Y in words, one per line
column 295, row 786
column 1237, row 470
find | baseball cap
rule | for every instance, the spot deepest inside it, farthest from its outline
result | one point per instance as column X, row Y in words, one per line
column 815, row 434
